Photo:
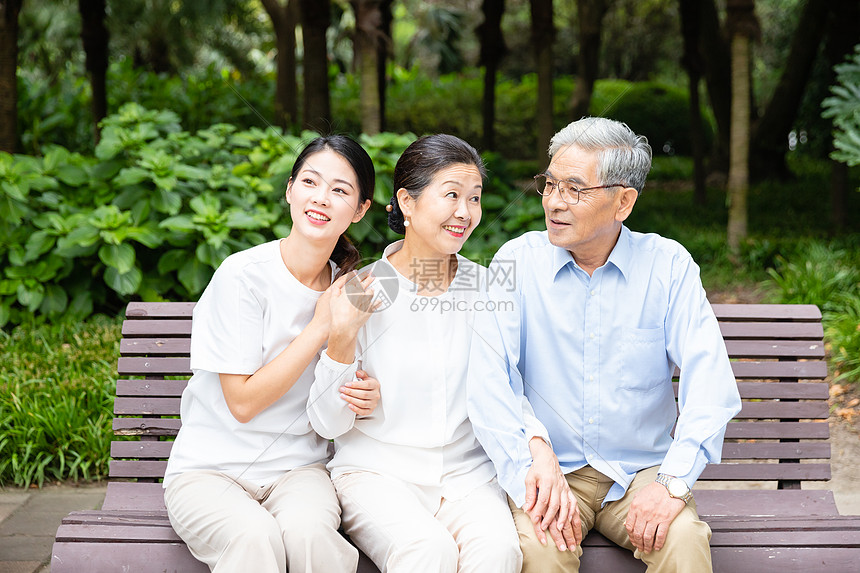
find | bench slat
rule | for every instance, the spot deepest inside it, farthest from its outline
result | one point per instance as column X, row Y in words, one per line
column 774, row 348
column 159, row 309
column 158, row 346
column 156, row 328
column 781, row 410
column 146, row 406
column 778, row 430
column 782, row 391
column 766, row 472
column 137, row 469
column 149, row 449
column 163, row 366
column 793, row 312
column 787, row 330
column 772, row 450
column 146, row 426
column 155, row 388
column 795, row 370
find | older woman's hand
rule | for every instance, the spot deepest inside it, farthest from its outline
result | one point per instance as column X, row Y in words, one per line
column 362, row 395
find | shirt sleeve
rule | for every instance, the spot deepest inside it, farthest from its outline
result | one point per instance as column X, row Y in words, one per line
column 501, row 416
column 329, row 414
column 707, row 394
column 227, row 325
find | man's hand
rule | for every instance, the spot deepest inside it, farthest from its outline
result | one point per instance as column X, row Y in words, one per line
column 650, row 515
column 567, row 535
column 548, row 498
column 362, row 394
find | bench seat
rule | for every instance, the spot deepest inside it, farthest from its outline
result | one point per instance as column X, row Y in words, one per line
column 761, row 518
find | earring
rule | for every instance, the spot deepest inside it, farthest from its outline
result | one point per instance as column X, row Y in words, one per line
column 406, row 223
column 389, row 208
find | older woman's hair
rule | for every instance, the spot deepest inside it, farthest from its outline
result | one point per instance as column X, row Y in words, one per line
column 421, row 161
column 623, row 157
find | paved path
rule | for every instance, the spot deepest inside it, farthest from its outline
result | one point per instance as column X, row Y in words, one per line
column 29, row 519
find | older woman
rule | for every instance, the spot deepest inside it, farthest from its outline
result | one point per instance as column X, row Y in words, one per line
column 417, row 490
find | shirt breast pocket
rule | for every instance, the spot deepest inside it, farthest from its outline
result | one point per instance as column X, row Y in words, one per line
column 645, row 364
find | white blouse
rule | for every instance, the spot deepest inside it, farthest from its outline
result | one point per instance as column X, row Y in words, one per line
column 418, row 349
column 250, row 312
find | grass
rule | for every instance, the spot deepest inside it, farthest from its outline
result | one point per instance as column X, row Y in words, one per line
column 56, row 400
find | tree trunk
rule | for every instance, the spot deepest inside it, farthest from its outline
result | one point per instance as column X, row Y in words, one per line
column 95, row 37
column 384, row 50
column 716, row 59
column 842, row 34
column 9, row 10
column 692, row 62
column 543, row 35
column 770, row 133
column 492, row 50
column 742, row 25
column 590, row 14
column 284, row 18
column 368, row 21
column 316, row 18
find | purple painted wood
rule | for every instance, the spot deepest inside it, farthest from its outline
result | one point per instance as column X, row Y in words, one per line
column 770, row 312
column 123, row 496
column 763, row 503
column 771, row 450
column 146, row 366
column 146, row 426
column 141, row 450
column 156, row 328
column 166, row 388
column 778, row 330
column 780, row 391
column 802, row 370
column 93, row 557
column 774, row 348
column 776, row 430
column 160, row 346
column 159, row 309
column 137, row 468
column 791, row 410
column 766, row 472
column 146, row 406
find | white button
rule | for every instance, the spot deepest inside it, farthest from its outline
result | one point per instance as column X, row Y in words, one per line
column 591, row 378
column 591, row 335
column 591, row 420
column 593, row 293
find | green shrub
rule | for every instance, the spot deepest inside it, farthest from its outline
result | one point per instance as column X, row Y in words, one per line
column 821, row 275
column 842, row 330
column 56, row 400
column 844, row 109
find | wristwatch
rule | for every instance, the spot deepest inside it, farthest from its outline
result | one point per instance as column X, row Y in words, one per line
column 676, row 486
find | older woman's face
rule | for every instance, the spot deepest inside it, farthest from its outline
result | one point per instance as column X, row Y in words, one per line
column 447, row 211
column 589, row 228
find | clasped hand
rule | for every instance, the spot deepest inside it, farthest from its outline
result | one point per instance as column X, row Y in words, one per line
column 651, row 513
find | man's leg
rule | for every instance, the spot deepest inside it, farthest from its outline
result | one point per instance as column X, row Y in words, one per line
column 687, row 546
column 305, row 506
column 222, row 524
column 589, row 492
column 386, row 519
column 482, row 527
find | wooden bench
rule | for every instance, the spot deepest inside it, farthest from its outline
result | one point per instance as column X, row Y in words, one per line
column 762, row 520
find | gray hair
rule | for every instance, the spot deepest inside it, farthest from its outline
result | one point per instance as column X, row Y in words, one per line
column 622, row 156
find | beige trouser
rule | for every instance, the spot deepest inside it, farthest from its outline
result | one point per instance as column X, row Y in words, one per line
column 234, row 525
column 390, row 521
column 686, row 549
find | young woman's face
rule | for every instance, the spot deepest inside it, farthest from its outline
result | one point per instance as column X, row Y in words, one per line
column 324, row 196
column 447, row 211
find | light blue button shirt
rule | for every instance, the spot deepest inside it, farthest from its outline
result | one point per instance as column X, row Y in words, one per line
column 595, row 356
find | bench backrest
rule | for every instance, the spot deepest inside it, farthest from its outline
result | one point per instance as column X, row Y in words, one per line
column 780, row 436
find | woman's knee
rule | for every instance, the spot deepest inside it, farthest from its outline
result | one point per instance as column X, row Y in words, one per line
column 435, row 551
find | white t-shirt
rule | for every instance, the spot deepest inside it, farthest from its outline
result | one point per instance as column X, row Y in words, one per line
column 418, row 349
column 252, row 309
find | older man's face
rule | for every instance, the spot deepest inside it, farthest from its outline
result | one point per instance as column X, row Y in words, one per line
column 590, row 228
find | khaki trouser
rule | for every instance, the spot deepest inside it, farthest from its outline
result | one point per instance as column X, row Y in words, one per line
column 686, row 549
column 391, row 522
column 234, row 525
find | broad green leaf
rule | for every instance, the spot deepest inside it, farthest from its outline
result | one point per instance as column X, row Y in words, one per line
column 166, row 201
column 30, row 296
column 123, row 283
column 82, row 303
column 72, row 175
column 38, row 243
column 56, row 300
column 131, row 176
column 146, row 236
column 109, row 145
column 172, row 260
column 211, row 255
column 105, row 170
column 4, row 313
column 241, row 220
column 121, row 257
column 195, row 275
column 178, row 223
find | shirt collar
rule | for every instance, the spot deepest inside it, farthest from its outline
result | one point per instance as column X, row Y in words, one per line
column 620, row 256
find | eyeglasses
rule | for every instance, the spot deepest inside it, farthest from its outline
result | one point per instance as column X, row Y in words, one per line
column 568, row 190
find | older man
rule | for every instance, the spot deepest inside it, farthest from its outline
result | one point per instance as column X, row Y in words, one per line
column 590, row 321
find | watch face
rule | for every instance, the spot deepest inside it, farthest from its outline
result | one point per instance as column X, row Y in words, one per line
column 678, row 488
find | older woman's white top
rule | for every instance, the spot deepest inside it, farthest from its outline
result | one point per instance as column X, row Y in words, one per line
column 418, row 349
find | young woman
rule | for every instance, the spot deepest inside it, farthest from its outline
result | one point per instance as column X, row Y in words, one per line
column 417, row 490
column 246, row 487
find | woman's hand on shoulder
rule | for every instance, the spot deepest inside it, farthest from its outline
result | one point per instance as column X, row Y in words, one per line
column 351, row 303
column 362, row 394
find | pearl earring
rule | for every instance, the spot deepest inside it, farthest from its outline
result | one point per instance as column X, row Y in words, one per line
column 406, row 223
